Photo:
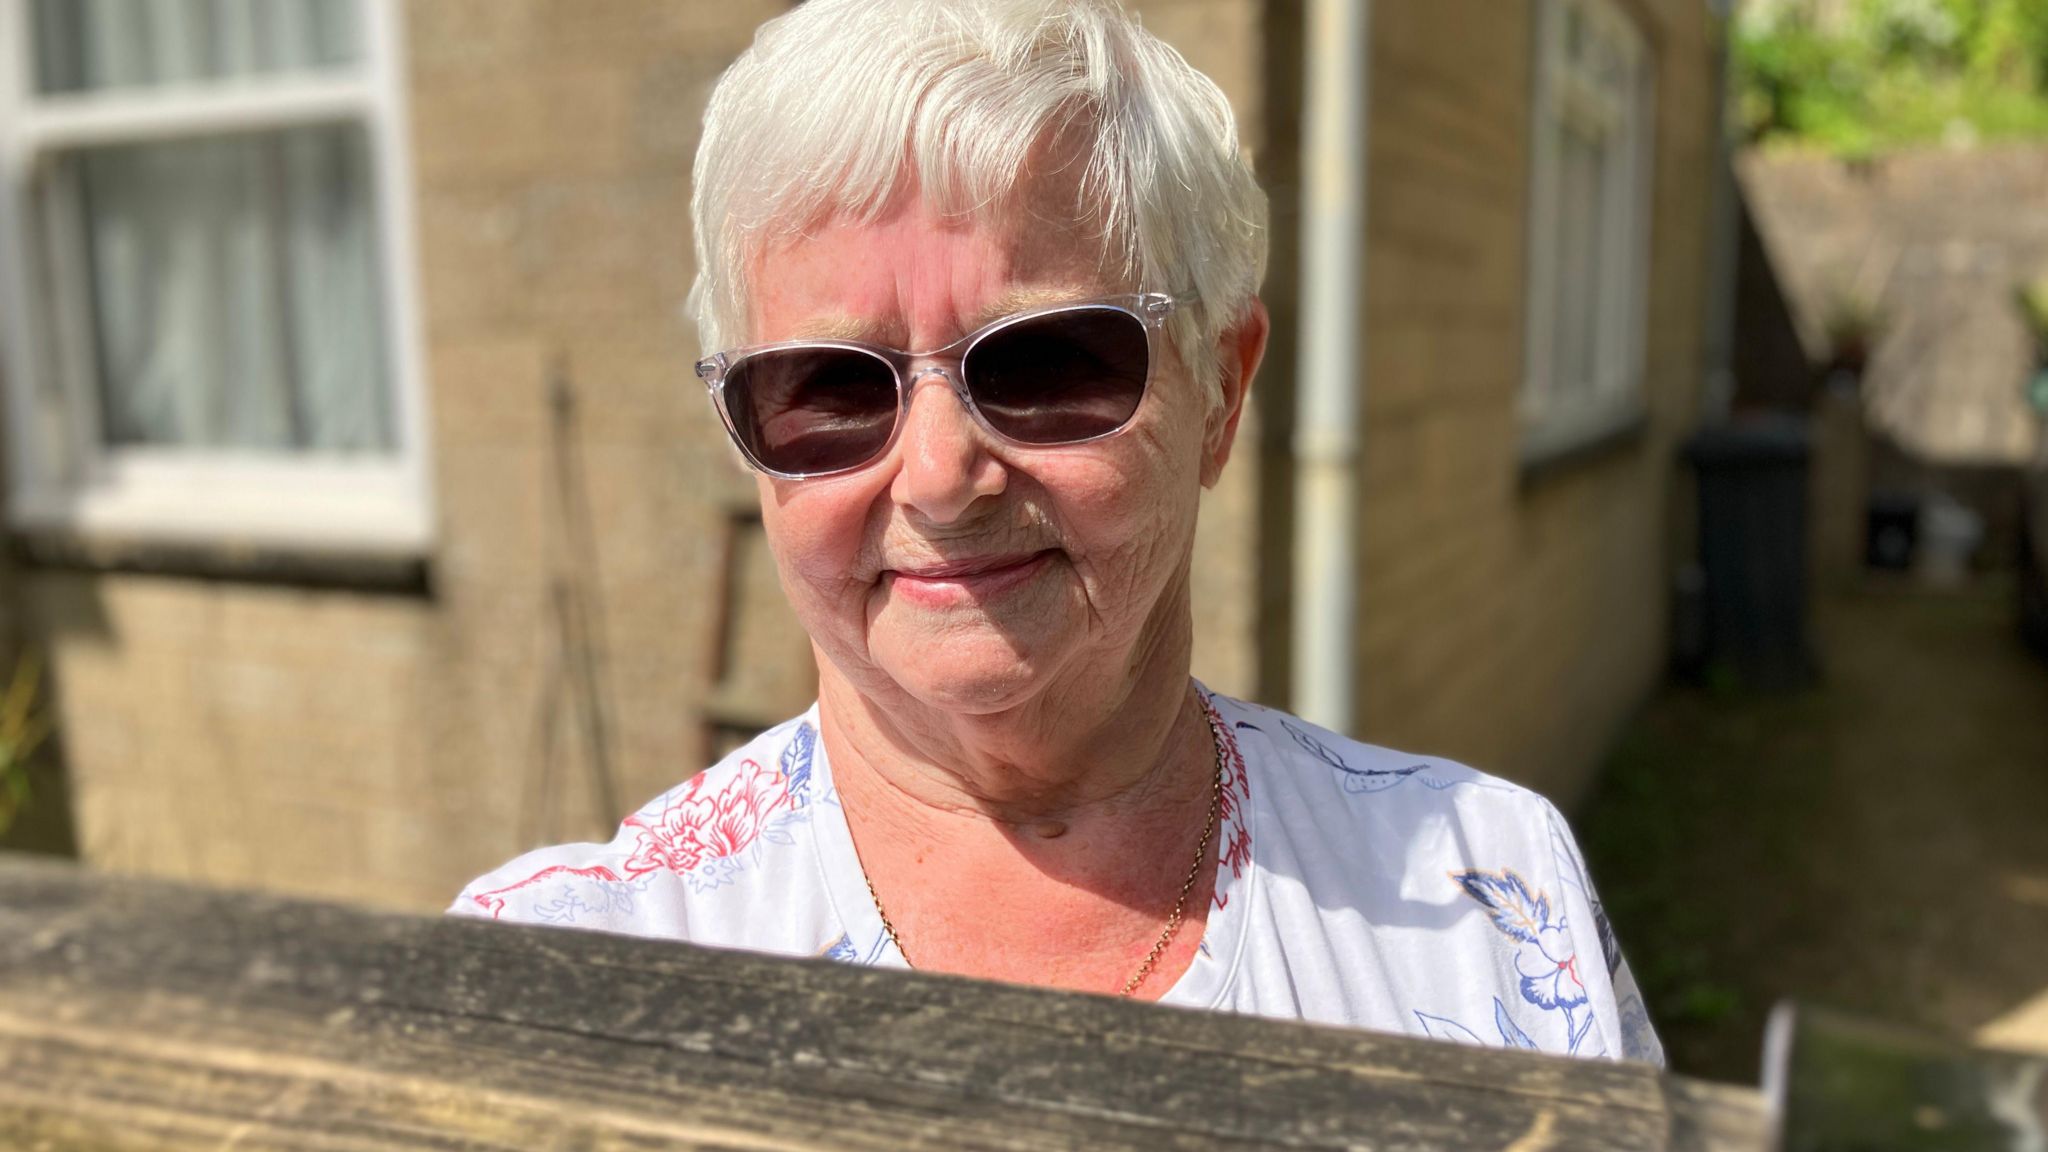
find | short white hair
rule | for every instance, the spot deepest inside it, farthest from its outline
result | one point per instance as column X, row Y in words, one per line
column 840, row 106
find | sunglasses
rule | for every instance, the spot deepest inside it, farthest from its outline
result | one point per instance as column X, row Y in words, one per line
column 1061, row 375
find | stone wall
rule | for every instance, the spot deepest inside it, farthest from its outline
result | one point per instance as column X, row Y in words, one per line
column 600, row 616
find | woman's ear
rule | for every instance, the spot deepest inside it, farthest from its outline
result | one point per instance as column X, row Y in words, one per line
column 1238, row 352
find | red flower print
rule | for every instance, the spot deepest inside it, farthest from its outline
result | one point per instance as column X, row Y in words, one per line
column 1237, row 789
column 696, row 827
column 494, row 900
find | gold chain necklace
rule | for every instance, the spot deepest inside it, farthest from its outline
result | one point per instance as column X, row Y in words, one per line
column 1180, row 904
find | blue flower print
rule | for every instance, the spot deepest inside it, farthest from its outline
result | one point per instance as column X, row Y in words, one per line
column 579, row 898
column 1511, row 1033
column 1610, row 948
column 1444, row 1028
column 795, row 766
column 1519, row 911
column 1353, row 780
column 1572, row 872
column 1544, row 956
column 1550, row 971
column 796, row 763
column 716, row 872
column 1636, row 1033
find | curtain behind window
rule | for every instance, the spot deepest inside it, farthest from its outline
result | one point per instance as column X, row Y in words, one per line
column 234, row 280
column 95, row 45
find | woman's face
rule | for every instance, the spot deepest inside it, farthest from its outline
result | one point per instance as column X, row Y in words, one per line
column 972, row 574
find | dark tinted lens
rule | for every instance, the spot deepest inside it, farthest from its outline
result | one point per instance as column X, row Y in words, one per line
column 1061, row 377
column 812, row 409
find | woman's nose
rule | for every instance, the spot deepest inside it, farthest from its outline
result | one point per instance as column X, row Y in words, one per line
column 945, row 463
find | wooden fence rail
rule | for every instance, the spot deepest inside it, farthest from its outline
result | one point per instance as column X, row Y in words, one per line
column 142, row 1014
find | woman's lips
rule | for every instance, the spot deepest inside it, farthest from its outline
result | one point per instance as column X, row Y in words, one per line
column 966, row 581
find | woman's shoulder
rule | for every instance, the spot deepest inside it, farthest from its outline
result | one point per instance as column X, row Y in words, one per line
column 701, row 833
column 1471, row 887
column 1373, row 811
column 1319, row 762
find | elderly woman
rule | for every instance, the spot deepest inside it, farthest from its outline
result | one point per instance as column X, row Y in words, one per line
column 979, row 280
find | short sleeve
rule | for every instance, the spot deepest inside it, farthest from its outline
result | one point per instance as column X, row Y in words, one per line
column 1623, row 1017
column 576, row 885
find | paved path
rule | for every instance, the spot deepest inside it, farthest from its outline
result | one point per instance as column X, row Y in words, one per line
column 1879, row 844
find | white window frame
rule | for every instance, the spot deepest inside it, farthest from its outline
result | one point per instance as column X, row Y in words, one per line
column 64, row 478
column 1558, row 416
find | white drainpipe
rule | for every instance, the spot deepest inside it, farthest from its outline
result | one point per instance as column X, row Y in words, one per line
column 1332, row 381
column 1724, row 220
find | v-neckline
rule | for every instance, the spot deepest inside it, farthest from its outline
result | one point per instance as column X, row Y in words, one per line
column 1208, row 977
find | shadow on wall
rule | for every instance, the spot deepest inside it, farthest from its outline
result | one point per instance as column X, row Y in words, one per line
column 36, row 813
column 35, row 795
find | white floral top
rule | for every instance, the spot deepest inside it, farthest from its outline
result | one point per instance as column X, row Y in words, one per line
column 1357, row 886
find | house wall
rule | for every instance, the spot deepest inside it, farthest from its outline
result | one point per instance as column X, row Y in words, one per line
column 386, row 745
column 1510, row 619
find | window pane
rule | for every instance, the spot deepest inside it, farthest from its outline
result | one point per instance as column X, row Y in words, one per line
column 234, row 292
column 94, row 45
column 1581, row 224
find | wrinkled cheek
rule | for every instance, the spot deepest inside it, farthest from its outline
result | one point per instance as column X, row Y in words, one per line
column 823, row 595
column 1140, row 538
column 817, row 545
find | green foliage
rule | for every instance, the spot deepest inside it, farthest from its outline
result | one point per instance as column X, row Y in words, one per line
column 2032, row 301
column 1853, row 321
column 2033, row 304
column 1879, row 74
column 23, row 726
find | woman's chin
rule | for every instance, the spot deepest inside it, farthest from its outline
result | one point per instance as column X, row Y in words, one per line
column 964, row 677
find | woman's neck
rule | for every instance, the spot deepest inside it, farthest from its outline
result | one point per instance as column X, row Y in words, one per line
column 1055, row 860
column 1093, row 742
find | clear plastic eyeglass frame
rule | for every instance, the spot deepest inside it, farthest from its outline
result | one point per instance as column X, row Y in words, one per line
column 1150, row 309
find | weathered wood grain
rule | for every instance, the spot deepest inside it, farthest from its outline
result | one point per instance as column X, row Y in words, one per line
column 139, row 1014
